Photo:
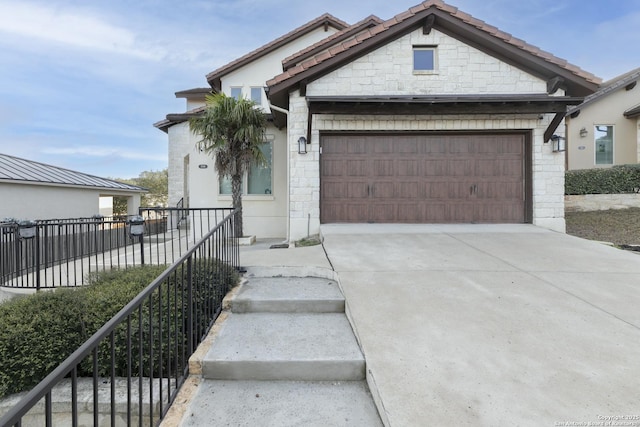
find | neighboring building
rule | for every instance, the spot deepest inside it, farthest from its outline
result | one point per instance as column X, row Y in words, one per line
column 605, row 129
column 32, row 190
column 430, row 117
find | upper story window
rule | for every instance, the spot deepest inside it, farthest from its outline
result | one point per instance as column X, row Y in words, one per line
column 424, row 59
column 256, row 95
column 236, row 92
column 603, row 135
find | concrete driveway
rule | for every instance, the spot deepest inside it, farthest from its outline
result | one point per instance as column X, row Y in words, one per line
column 492, row 325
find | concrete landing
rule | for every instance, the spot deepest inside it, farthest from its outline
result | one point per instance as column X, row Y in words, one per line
column 275, row 346
column 282, row 404
column 289, row 295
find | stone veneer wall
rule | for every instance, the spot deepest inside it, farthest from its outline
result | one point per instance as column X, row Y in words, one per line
column 601, row 202
column 461, row 69
column 548, row 167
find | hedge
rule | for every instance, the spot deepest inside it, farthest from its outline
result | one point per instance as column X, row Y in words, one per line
column 39, row 331
column 616, row 180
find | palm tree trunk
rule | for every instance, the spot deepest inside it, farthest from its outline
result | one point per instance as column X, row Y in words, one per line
column 236, row 197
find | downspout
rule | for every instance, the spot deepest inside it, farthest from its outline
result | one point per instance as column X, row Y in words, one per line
column 286, row 113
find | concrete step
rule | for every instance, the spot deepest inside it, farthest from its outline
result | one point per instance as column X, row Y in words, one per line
column 285, row 346
column 282, row 403
column 288, row 295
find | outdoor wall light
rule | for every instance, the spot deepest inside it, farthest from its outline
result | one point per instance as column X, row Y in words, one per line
column 136, row 226
column 583, row 132
column 559, row 143
column 302, row 145
column 27, row 229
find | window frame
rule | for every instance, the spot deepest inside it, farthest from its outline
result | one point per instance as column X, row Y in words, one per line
column 595, row 142
column 269, row 139
column 434, row 59
column 231, row 90
column 259, row 88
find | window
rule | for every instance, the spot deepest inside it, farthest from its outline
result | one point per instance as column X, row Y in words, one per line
column 259, row 177
column 259, row 181
column 256, row 95
column 424, row 59
column 603, row 144
column 236, row 92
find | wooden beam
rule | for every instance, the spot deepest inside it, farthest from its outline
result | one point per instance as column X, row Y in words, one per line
column 553, row 126
column 630, row 85
column 303, row 88
column 554, row 84
column 428, row 24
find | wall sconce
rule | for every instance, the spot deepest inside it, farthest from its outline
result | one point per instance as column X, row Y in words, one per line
column 302, row 145
column 583, row 132
column 27, row 229
column 136, row 226
column 559, row 143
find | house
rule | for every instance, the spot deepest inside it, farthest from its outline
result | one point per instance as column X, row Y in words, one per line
column 605, row 129
column 32, row 190
column 432, row 116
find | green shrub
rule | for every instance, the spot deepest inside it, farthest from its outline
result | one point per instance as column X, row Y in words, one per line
column 616, row 180
column 40, row 331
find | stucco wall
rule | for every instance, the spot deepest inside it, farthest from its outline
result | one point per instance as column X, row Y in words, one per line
column 264, row 215
column 605, row 111
column 258, row 72
column 25, row 201
column 388, row 70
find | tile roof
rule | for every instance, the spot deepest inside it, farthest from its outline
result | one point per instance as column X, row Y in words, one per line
column 369, row 21
column 608, row 87
column 632, row 112
column 326, row 19
column 17, row 169
column 452, row 11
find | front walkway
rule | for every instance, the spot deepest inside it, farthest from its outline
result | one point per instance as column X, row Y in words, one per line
column 491, row 325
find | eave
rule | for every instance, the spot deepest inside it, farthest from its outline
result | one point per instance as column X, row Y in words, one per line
column 441, row 104
column 539, row 65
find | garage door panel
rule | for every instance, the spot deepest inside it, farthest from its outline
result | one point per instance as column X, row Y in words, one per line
column 423, row 178
column 333, row 168
column 383, row 168
column 357, row 167
column 459, row 167
column 407, row 167
column 383, row 212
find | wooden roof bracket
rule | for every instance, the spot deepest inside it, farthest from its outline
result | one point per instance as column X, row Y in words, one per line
column 551, row 129
column 428, row 24
column 554, row 84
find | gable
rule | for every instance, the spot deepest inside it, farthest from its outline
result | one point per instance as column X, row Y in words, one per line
column 437, row 15
column 460, row 69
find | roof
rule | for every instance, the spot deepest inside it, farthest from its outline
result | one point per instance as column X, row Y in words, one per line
column 608, row 87
column 449, row 20
column 632, row 112
column 325, row 20
column 314, row 49
column 16, row 169
column 202, row 91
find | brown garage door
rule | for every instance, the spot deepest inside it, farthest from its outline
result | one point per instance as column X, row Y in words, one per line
column 443, row 178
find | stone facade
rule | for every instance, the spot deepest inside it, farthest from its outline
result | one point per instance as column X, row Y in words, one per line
column 389, row 71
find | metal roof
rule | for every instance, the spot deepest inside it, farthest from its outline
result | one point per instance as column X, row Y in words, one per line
column 17, row 169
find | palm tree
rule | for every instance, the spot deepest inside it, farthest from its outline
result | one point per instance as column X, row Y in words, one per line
column 232, row 131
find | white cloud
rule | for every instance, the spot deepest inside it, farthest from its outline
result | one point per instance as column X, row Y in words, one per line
column 98, row 151
column 71, row 28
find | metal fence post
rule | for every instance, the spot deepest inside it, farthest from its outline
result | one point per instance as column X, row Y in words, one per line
column 190, row 303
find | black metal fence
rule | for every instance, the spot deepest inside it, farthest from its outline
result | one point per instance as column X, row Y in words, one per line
column 140, row 355
column 61, row 252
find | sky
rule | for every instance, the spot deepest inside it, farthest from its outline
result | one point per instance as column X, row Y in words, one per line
column 83, row 81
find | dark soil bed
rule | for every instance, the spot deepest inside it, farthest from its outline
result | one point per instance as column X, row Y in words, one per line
column 620, row 227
